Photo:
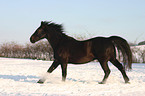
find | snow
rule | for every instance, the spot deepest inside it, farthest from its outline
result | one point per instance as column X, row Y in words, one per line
column 18, row 77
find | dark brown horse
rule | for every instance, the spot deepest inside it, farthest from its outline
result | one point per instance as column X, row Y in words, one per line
column 68, row 50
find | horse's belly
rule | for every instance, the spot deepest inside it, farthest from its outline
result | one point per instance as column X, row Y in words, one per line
column 79, row 60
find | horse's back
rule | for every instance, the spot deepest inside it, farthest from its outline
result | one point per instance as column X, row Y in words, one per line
column 88, row 50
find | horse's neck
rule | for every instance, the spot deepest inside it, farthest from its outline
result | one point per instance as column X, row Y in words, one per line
column 56, row 39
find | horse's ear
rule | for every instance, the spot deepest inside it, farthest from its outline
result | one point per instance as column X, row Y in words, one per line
column 42, row 22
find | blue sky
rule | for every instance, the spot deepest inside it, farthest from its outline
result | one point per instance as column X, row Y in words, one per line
column 125, row 18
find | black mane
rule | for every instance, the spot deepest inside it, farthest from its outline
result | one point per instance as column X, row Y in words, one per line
column 57, row 27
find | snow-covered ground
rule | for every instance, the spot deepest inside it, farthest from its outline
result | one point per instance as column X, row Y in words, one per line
column 18, row 77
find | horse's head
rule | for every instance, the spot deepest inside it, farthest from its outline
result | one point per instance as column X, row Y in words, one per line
column 39, row 34
column 47, row 30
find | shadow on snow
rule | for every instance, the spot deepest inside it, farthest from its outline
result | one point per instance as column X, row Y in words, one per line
column 21, row 78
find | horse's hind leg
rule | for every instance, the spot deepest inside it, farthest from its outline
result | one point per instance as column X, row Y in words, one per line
column 106, row 70
column 117, row 64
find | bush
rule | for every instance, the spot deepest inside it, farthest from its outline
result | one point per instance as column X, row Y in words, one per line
column 138, row 54
column 41, row 50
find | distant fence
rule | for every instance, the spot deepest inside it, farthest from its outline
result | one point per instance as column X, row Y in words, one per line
column 42, row 50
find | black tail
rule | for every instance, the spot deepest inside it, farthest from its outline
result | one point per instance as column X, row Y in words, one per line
column 124, row 47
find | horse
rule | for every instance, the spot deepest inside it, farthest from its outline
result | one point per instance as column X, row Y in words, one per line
column 69, row 50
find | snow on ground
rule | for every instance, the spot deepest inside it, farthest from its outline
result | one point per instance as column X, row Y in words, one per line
column 18, row 77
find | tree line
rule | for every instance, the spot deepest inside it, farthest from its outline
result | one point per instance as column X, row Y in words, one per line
column 41, row 50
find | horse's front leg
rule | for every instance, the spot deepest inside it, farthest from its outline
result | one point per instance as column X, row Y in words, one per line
column 52, row 67
column 64, row 71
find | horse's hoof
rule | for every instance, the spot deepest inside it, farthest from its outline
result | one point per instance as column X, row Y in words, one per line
column 127, row 82
column 101, row 83
column 40, row 82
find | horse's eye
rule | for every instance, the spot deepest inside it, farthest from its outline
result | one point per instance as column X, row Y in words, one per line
column 40, row 31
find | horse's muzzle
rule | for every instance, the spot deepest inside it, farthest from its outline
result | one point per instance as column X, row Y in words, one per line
column 32, row 40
